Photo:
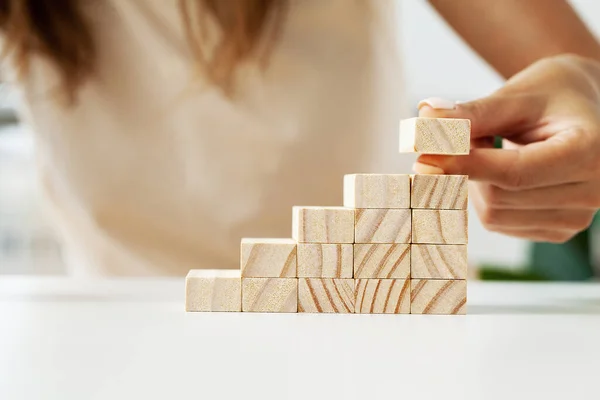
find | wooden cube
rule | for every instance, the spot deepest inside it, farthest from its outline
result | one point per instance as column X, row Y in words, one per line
column 323, row 225
column 435, row 135
column 323, row 260
column 430, row 296
column 438, row 261
column 270, row 295
column 213, row 290
column 382, row 261
column 448, row 192
column 377, row 191
column 268, row 258
column 440, row 226
column 375, row 225
column 382, row 296
column 325, row 295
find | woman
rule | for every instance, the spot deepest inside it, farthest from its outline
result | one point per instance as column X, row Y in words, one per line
column 166, row 131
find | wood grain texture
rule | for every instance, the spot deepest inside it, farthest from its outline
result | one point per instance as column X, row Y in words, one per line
column 440, row 226
column 279, row 295
column 323, row 224
column 377, row 191
column 382, row 296
column 213, row 290
column 438, row 261
column 382, row 261
column 435, row 135
column 268, row 258
column 447, row 192
column 430, row 296
column 325, row 295
column 324, row 260
column 382, row 226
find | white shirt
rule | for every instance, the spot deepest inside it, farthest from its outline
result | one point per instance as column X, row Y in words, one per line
column 154, row 173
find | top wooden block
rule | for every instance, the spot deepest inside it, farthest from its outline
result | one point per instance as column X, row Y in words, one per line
column 377, row 191
column 323, row 225
column 435, row 135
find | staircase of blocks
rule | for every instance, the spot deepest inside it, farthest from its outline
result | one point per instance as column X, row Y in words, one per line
column 397, row 246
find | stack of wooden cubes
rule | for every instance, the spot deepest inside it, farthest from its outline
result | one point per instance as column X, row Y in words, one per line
column 398, row 246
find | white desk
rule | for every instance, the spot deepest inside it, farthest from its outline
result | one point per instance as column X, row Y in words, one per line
column 132, row 340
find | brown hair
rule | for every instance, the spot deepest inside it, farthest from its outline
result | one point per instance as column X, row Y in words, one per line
column 58, row 31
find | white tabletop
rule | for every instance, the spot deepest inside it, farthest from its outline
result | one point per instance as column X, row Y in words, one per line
column 131, row 339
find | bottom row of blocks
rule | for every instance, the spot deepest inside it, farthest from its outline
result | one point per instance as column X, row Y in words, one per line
column 325, row 295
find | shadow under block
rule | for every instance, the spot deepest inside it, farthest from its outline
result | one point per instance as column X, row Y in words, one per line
column 322, row 260
column 438, row 261
column 316, row 295
column 213, row 290
column 435, row 135
column 440, row 226
column 278, row 295
column 268, row 258
column 390, row 261
column 382, row 225
column 377, row 191
column 323, row 224
column 445, row 192
column 382, row 296
column 430, row 296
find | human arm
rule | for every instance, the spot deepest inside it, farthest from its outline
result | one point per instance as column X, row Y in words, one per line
column 512, row 34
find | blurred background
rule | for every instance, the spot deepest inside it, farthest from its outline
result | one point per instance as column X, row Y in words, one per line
column 27, row 242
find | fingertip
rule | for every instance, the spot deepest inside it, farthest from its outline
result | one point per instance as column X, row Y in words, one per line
column 434, row 160
column 420, row 168
column 442, row 164
column 437, row 103
column 435, row 107
column 426, row 111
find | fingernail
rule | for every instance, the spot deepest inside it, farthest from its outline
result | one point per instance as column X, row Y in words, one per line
column 426, row 169
column 437, row 103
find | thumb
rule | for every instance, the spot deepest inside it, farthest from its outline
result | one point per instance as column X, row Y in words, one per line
column 500, row 114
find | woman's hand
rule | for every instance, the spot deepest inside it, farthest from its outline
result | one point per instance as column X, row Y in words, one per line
column 544, row 185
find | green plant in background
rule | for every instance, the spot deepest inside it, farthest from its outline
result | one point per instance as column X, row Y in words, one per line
column 570, row 261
